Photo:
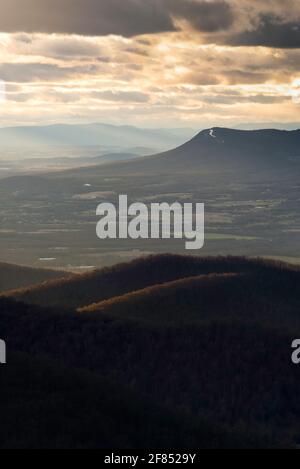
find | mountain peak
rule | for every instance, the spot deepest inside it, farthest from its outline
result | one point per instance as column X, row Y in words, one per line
column 219, row 147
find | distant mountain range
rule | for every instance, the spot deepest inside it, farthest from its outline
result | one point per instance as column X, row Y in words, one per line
column 102, row 135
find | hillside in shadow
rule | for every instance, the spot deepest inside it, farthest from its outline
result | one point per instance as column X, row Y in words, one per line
column 46, row 405
column 15, row 276
column 203, row 343
column 84, row 289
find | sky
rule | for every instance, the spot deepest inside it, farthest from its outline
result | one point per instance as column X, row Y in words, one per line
column 152, row 63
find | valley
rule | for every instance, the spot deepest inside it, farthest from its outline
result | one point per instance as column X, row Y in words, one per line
column 149, row 227
column 170, row 349
column 50, row 219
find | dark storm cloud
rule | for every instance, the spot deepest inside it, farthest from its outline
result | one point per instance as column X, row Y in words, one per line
column 270, row 32
column 204, row 16
column 103, row 17
column 270, row 23
column 85, row 17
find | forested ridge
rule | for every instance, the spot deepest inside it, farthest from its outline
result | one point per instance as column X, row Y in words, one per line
column 203, row 343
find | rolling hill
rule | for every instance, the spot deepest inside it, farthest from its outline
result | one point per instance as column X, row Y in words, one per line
column 208, row 338
column 15, row 276
column 92, row 287
column 197, row 299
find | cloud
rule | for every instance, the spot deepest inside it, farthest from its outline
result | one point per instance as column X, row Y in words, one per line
column 120, row 17
column 19, row 97
column 68, row 47
column 199, row 78
column 272, row 31
column 85, row 17
column 205, row 16
column 55, row 46
column 247, row 77
column 188, row 64
column 269, row 23
column 31, row 72
column 227, row 99
column 121, row 96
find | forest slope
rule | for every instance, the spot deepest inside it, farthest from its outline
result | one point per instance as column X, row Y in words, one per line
column 213, row 345
column 46, row 405
column 84, row 289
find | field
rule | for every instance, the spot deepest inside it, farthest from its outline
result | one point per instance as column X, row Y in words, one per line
column 49, row 220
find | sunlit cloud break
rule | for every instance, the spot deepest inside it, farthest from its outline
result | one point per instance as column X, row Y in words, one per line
column 177, row 62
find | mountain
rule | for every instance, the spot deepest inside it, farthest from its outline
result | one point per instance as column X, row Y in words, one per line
column 224, row 152
column 203, row 349
column 223, row 149
column 102, row 135
column 216, row 150
column 13, row 276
